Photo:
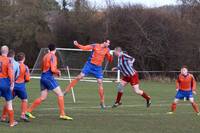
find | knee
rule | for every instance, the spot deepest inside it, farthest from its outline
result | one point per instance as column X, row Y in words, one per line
column 138, row 91
column 120, row 88
column 79, row 77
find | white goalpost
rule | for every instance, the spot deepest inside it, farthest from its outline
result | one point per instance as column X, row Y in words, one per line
column 71, row 62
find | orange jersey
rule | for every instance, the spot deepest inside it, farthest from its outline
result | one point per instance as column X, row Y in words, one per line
column 98, row 53
column 49, row 63
column 186, row 83
column 6, row 68
column 24, row 75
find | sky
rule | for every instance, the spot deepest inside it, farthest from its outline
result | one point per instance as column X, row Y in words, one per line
column 147, row 3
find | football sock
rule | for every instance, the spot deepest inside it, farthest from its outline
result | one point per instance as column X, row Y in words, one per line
column 61, row 105
column 195, row 107
column 173, row 107
column 71, row 85
column 35, row 104
column 4, row 113
column 119, row 95
column 144, row 95
column 24, row 105
column 11, row 116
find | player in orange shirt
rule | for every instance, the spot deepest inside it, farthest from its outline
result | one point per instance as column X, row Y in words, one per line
column 48, row 83
column 94, row 66
column 185, row 87
column 7, row 83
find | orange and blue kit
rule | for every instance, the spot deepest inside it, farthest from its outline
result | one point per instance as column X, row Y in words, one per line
column 20, row 82
column 49, row 68
column 185, row 85
column 94, row 64
column 6, row 77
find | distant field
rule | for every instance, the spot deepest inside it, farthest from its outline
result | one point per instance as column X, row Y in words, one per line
column 132, row 117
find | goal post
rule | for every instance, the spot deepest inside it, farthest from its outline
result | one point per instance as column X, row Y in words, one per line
column 71, row 62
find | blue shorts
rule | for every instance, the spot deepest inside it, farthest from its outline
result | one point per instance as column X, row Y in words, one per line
column 20, row 91
column 95, row 70
column 184, row 94
column 5, row 89
column 48, row 82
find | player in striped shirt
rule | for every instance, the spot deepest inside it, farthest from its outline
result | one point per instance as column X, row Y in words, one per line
column 130, row 75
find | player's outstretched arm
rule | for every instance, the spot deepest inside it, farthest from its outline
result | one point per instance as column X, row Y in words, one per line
column 86, row 47
column 109, row 56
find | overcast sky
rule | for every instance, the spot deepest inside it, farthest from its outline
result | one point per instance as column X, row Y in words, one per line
column 148, row 3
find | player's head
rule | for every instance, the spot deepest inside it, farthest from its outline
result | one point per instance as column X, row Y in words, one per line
column 20, row 57
column 118, row 51
column 106, row 43
column 4, row 50
column 11, row 53
column 184, row 70
column 52, row 47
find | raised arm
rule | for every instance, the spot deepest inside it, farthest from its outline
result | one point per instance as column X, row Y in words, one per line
column 86, row 47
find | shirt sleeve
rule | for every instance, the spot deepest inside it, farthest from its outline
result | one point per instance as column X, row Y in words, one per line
column 53, row 61
column 86, row 47
column 27, row 75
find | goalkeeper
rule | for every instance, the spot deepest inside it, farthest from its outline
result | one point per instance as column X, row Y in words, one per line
column 94, row 66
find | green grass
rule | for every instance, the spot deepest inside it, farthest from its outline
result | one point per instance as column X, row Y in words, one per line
column 132, row 117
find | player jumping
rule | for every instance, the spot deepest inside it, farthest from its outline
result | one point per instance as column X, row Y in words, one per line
column 48, row 83
column 185, row 87
column 7, row 83
column 94, row 66
column 130, row 75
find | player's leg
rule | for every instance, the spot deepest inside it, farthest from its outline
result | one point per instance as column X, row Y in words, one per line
column 61, row 103
column 11, row 114
column 37, row 102
column 101, row 93
column 194, row 105
column 74, row 82
column 4, row 113
column 140, row 92
column 120, row 90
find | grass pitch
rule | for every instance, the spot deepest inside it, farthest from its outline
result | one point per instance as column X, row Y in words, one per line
column 131, row 117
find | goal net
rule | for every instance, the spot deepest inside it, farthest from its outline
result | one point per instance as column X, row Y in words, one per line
column 71, row 62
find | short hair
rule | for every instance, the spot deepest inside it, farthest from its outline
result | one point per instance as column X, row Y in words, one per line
column 20, row 56
column 11, row 53
column 184, row 66
column 52, row 47
column 4, row 49
column 118, row 49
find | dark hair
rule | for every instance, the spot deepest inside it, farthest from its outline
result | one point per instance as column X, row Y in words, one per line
column 20, row 56
column 52, row 47
column 11, row 53
column 184, row 66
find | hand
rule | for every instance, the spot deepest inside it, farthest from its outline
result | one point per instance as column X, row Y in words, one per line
column 114, row 69
column 76, row 43
column 177, row 89
column 194, row 92
column 11, row 87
